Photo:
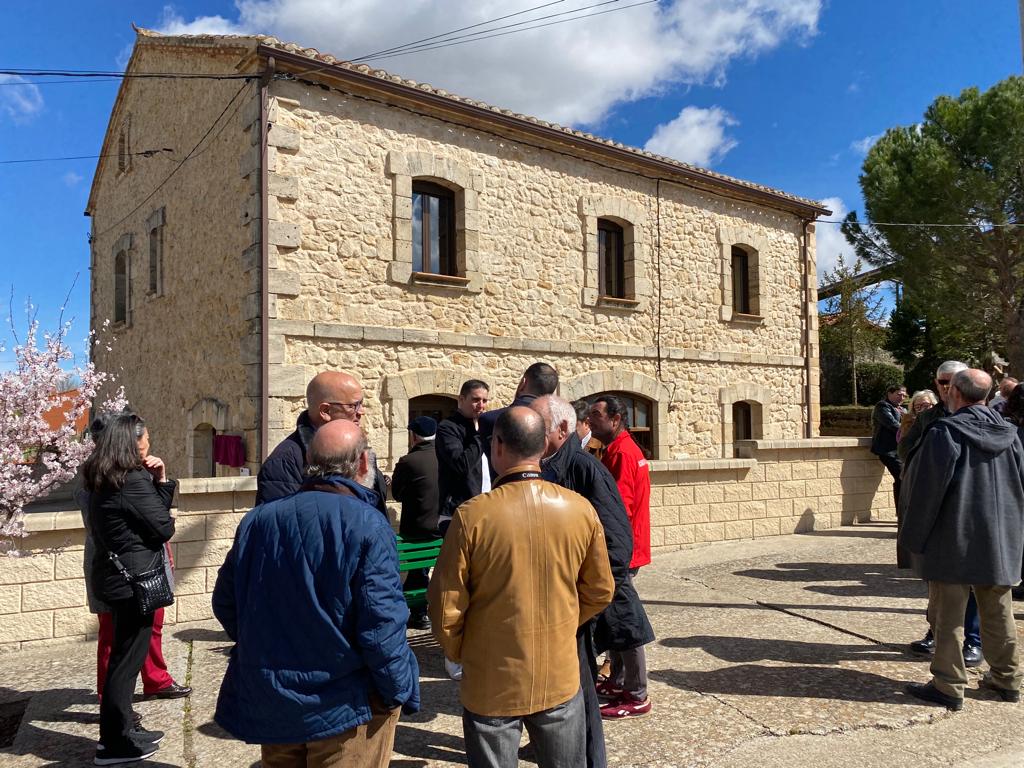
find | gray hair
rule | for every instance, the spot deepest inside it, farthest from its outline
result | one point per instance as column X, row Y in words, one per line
column 345, row 464
column 560, row 410
column 950, row 367
column 974, row 385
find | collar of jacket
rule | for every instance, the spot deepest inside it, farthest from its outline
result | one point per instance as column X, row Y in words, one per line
column 305, row 430
column 557, row 464
column 340, row 485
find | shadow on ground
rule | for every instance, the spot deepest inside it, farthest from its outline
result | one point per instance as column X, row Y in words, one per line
column 743, row 650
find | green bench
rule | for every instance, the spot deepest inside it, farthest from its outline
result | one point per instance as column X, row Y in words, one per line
column 417, row 554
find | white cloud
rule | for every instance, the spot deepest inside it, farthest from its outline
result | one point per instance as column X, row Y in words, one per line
column 20, row 103
column 831, row 243
column 861, row 146
column 697, row 136
column 572, row 73
column 71, row 178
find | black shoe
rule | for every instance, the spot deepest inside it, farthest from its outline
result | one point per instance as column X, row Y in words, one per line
column 418, row 621
column 172, row 691
column 1005, row 694
column 136, row 718
column 124, row 753
column 1018, row 592
column 972, row 655
column 928, row 692
column 925, row 646
column 142, row 736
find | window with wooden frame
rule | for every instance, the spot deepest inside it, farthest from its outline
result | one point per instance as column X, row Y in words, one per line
column 640, row 412
column 611, row 259
column 122, row 286
column 433, row 229
column 741, row 281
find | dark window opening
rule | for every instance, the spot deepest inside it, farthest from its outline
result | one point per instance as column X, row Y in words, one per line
column 742, row 421
column 433, row 229
column 121, row 287
column 740, row 281
column 611, row 259
column 437, row 407
column 156, row 248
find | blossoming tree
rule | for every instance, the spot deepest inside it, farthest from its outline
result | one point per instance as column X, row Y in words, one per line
column 36, row 456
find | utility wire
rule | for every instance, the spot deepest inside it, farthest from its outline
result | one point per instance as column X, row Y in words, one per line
column 60, row 82
column 179, row 165
column 454, row 31
column 89, row 73
column 482, row 35
column 143, row 153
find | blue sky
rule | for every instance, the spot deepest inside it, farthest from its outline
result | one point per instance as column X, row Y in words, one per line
column 782, row 92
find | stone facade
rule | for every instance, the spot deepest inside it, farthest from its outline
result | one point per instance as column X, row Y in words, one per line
column 308, row 263
column 777, row 487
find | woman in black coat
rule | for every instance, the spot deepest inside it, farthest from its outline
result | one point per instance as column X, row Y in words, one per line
column 129, row 515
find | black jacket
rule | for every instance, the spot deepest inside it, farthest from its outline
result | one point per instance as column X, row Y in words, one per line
column 460, row 475
column 285, row 468
column 489, row 418
column 414, row 484
column 623, row 624
column 134, row 522
column 964, row 500
column 885, row 423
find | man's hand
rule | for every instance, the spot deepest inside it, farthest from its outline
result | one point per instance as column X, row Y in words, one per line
column 155, row 466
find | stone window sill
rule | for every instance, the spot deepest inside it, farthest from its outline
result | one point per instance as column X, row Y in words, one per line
column 444, row 281
column 730, row 315
column 614, row 302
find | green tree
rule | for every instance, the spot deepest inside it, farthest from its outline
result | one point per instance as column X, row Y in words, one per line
column 850, row 329
column 958, row 178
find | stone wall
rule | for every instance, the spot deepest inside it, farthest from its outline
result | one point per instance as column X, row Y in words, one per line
column 778, row 487
column 179, row 356
column 340, row 176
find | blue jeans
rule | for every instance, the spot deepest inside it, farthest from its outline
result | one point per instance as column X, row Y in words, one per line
column 558, row 736
column 972, row 625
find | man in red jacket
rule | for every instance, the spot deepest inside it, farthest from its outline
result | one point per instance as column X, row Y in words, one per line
column 626, row 687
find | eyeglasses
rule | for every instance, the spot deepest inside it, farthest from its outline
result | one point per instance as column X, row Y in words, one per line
column 943, row 382
column 357, row 406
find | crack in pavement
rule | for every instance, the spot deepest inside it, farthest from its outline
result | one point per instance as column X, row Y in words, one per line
column 188, row 726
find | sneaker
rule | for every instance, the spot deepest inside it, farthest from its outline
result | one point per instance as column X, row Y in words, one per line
column 124, row 753
column 142, row 736
column 624, row 707
column 418, row 621
column 608, row 690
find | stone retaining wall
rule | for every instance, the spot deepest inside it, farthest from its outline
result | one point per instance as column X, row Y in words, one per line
column 777, row 487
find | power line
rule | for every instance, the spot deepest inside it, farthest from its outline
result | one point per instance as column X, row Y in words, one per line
column 143, row 153
column 482, row 35
column 93, row 73
column 61, row 82
column 179, row 165
column 454, row 31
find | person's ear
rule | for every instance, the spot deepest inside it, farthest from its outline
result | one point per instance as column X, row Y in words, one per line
column 364, row 463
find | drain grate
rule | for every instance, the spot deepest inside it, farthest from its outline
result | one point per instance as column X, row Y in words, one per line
column 10, row 720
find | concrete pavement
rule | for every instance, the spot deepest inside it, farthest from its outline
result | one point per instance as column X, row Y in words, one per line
column 786, row 651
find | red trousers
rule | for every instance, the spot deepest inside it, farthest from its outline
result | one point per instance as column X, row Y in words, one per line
column 154, row 672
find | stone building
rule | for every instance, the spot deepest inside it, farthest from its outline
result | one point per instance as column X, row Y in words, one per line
column 289, row 212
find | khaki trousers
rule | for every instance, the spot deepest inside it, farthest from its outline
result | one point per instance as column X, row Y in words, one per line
column 946, row 605
column 366, row 746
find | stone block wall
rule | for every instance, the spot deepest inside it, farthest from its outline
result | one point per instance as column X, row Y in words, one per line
column 778, row 487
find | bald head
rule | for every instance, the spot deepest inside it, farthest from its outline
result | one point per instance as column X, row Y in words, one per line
column 518, row 439
column 339, row 448
column 969, row 387
column 559, row 420
column 333, row 395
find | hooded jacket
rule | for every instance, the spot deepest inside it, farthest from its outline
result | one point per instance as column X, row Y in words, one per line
column 310, row 594
column 964, row 500
column 623, row 624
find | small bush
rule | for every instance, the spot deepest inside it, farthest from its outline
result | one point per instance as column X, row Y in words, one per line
column 874, row 378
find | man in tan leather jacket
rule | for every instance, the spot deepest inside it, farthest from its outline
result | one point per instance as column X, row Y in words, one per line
column 520, row 569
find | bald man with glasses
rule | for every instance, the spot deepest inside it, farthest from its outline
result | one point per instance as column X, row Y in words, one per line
column 330, row 396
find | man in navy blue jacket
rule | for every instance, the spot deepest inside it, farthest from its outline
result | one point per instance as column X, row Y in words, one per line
column 311, row 595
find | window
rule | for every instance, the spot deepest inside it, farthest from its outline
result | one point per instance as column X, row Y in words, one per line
column 124, row 149
column 202, row 451
column 611, row 259
column 155, row 226
column 433, row 229
column 639, row 411
column 437, row 407
column 742, row 421
column 741, row 281
column 121, row 287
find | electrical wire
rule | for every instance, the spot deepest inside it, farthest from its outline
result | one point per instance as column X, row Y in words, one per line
column 177, row 168
column 91, row 73
column 60, row 82
column 143, row 153
column 484, row 36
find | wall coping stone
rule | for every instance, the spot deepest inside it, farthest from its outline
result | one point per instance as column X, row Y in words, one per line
column 804, row 443
column 699, row 465
column 192, row 485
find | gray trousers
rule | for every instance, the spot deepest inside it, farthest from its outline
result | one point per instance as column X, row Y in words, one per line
column 558, row 736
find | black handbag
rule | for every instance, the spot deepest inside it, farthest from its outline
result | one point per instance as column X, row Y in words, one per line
column 150, row 588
